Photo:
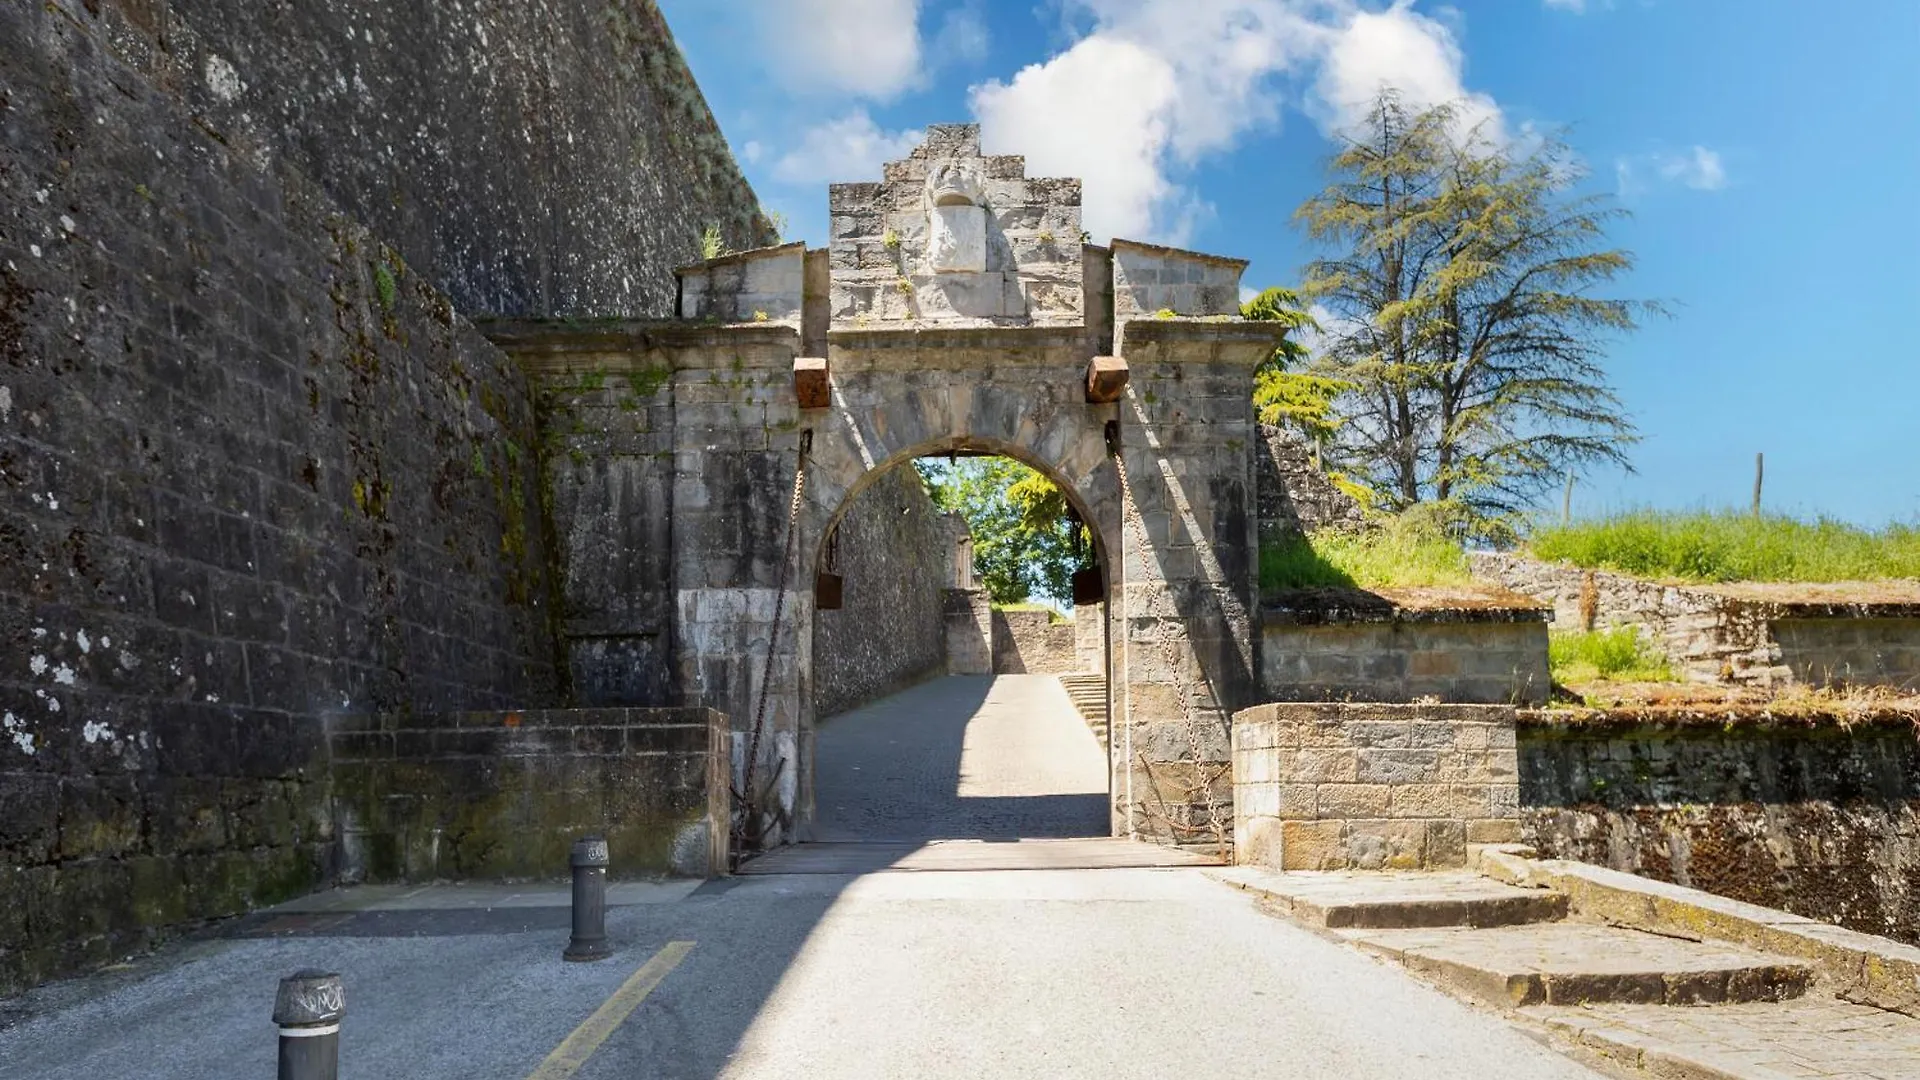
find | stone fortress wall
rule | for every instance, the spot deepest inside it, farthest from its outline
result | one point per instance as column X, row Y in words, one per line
column 1036, row 643
column 256, row 467
column 895, row 553
column 538, row 158
column 1811, row 814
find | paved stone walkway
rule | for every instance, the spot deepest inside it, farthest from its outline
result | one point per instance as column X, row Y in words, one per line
column 1791, row 1040
column 963, row 756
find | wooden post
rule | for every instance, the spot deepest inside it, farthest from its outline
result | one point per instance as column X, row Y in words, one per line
column 1759, row 474
column 1566, row 501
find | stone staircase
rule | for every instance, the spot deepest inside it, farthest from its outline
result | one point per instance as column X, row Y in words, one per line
column 1089, row 694
column 1510, row 947
column 1628, row 1002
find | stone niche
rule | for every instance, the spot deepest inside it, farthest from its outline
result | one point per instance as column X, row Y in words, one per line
column 955, row 237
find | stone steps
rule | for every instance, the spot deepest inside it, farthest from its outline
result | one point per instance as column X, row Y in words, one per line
column 1581, row 963
column 1089, row 695
column 1813, row 1036
column 1603, row 992
column 1341, row 900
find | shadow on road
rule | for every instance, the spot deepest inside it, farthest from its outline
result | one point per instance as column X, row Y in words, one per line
column 480, row 989
column 961, row 757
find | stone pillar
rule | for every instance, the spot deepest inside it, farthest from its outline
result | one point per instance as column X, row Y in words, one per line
column 1090, row 638
column 1340, row 786
column 969, row 632
column 736, row 446
column 1188, row 573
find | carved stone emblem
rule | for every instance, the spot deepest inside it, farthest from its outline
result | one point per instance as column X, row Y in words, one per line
column 956, row 218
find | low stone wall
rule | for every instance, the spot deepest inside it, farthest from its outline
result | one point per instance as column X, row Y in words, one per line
column 504, row 794
column 1813, row 816
column 1032, row 643
column 1850, row 651
column 1850, row 634
column 1372, row 787
column 1317, row 647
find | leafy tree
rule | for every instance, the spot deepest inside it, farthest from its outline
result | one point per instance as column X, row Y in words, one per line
column 1023, row 527
column 1464, row 279
column 1284, row 393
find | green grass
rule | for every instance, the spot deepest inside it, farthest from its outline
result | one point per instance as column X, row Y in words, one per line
column 1581, row 656
column 1400, row 553
column 1733, row 546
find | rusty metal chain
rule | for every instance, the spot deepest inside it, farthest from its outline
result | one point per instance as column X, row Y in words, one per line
column 747, row 833
column 1130, row 514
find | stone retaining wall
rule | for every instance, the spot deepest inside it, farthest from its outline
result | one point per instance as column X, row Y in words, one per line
column 1811, row 816
column 1372, row 787
column 1712, row 634
column 1313, row 649
column 1295, row 496
column 1850, row 651
column 1033, row 643
column 502, row 795
column 255, row 470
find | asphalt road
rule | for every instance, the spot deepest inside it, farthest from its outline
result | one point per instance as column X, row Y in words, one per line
column 1055, row 973
column 1068, row 973
column 965, row 756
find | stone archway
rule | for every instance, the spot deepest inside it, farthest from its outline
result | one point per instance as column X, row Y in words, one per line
column 958, row 306
column 923, row 436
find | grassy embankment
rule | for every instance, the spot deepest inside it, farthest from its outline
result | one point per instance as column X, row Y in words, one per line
column 1402, row 553
column 1732, row 546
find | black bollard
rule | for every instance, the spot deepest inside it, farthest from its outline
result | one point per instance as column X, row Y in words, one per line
column 308, row 1009
column 590, row 862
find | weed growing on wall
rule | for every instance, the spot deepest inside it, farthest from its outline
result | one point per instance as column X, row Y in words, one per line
column 1582, row 656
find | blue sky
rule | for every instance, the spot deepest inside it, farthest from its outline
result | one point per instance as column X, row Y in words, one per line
column 1769, row 151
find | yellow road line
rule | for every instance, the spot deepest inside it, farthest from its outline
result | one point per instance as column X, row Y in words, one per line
column 576, row 1048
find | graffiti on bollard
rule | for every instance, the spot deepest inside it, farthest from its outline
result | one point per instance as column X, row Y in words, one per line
column 590, row 861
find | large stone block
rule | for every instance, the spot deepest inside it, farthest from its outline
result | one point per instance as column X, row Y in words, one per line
column 1313, row 845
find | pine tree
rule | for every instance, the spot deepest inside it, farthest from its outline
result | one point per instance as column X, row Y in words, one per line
column 1466, row 321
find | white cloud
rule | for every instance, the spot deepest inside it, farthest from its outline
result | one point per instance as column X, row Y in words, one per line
column 869, row 48
column 1699, row 169
column 1153, row 86
column 1327, row 325
column 1578, row 7
column 963, row 36
column 851, row 148
column 1043, row 113
column 1410, row 52
column 1626, row 178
